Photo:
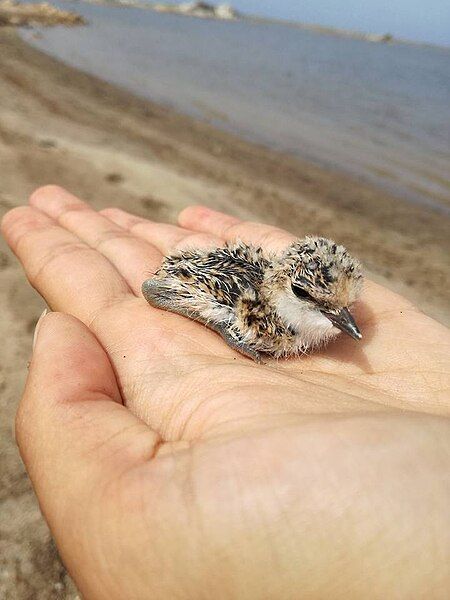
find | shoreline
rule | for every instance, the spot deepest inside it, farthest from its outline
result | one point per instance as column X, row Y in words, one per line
column 17, row 14
column 234, row 15
column 326, row 108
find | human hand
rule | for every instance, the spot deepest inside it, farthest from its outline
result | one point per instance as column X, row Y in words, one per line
column 221, row 477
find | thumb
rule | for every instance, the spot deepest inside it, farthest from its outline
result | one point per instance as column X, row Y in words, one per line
column 73, row 432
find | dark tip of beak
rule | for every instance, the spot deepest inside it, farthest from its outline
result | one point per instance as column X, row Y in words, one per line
column 345, row 322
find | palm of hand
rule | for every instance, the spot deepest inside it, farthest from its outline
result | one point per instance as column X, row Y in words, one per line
column 236, row 447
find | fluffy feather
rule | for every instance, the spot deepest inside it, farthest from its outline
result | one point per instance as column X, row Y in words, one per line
column 260, row 303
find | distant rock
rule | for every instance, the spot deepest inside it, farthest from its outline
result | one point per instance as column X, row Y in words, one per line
column 226, row 11
column 200, row 9
column 378, row 37
column 15, row 14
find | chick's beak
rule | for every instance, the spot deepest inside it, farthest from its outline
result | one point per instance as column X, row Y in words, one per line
column 345, row 322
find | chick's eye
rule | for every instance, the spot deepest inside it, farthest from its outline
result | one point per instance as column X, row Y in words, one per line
column 301, row 293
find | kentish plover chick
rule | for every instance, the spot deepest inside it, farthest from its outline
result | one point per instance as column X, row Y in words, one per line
column 280, row 305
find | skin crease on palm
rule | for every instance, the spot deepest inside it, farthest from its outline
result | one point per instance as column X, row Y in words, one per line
column 169, row 466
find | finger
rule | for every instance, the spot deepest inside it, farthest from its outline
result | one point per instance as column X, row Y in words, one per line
column 165, row 237
column 201, row 218
column 132, row 256
column 70, row 276
column 73, row 432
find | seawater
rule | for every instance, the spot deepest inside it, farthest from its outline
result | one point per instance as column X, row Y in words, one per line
column 380, row 112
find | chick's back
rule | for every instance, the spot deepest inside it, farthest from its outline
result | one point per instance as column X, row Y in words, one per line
column 223, row 273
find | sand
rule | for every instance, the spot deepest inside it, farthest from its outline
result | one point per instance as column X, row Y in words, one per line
column 61, row 126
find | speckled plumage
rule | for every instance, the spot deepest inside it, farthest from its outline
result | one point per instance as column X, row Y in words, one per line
column 279, row 305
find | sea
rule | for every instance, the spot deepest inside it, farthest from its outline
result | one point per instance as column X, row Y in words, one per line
column 379, row 112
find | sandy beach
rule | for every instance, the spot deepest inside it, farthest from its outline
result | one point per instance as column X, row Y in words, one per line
column 58, row 125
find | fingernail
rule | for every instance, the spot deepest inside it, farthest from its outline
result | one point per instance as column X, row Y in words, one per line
column 38, row 325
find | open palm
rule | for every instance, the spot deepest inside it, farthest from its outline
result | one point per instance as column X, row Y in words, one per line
column 168, row 465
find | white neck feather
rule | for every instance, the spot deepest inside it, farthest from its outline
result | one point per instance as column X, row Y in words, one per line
column 311, row 327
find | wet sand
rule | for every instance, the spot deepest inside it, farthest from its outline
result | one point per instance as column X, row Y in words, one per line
column 58, row 125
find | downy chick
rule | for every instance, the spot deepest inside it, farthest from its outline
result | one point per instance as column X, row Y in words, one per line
column 279, row 305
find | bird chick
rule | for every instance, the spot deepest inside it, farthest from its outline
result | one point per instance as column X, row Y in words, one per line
column 280, row 305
